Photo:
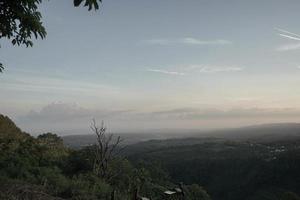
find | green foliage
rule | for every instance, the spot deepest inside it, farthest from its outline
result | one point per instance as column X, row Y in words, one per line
column 227, row 170
column 18, row 190
column 274, row 194
column 52, row 148
column 19, row 154
column 88, row 3
column 156, row 171
column 1, row 67
column 289, row 196
column 80, row 161
column 20, row 20
column 195, row 192
column 44, row 166
column 53, row 180
column 8, row 129
column 89, row 187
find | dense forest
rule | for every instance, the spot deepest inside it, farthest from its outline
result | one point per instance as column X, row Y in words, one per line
column 43, row 168
column 229, row 170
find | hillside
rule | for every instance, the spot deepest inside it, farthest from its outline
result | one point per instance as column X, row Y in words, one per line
column 262, row 163
column 43, row 168
column 255, row 163
column 228, row 169
column 8, row 129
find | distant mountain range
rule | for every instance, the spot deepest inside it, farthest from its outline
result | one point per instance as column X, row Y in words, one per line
column 262, row 133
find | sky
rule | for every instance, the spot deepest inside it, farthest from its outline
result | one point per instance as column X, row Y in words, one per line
column 164, row 64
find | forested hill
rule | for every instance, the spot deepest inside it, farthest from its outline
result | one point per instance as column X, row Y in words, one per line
column 229, row 170
column 23, row 160
column 8, row 129
column 209, row 168
column 42, row 168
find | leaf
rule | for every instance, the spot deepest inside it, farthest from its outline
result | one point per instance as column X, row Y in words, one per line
column 14, row 41
column 96, row 6
column 77, row 2
column 1, row 67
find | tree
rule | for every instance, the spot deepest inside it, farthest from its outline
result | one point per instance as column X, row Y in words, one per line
column 106, row 151
column 52, row 148
column 195, row 192
column 20, row 20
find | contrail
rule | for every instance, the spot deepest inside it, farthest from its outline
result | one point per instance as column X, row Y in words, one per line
column 290, row 37
column 287, row 32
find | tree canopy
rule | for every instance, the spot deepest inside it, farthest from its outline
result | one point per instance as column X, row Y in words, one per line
column 21, row 20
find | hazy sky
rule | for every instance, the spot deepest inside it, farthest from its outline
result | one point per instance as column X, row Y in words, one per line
column 141, row 64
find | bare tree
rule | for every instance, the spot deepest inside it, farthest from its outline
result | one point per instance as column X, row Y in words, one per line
column 106, row 150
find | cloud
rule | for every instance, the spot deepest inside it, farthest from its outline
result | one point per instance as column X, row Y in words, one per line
column 61, row 112
column 186, row 41
column 157, row 42
column 74, row 119
column 43, row 84
column 65, row 116
column 289, row 47
column 194, row 41
column 212, row 69
column 166, row 72
column 72, row 114
column 193, row 69
column 234, row 113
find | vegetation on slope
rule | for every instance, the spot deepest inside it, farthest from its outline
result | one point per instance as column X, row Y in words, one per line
column 43, row 168
column 229, row 170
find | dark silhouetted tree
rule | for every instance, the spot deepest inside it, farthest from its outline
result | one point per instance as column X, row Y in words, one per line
column 106, row 150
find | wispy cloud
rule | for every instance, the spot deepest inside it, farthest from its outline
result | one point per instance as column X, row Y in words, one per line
column 193, row 41
column 47, row 85
column 213, row 69
column 206, row 114
column 193, row 69
column 157, row 42
column 72, row 118
column 289, row 47
column 166, row 72
column 185, row 41
column 244, row 99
